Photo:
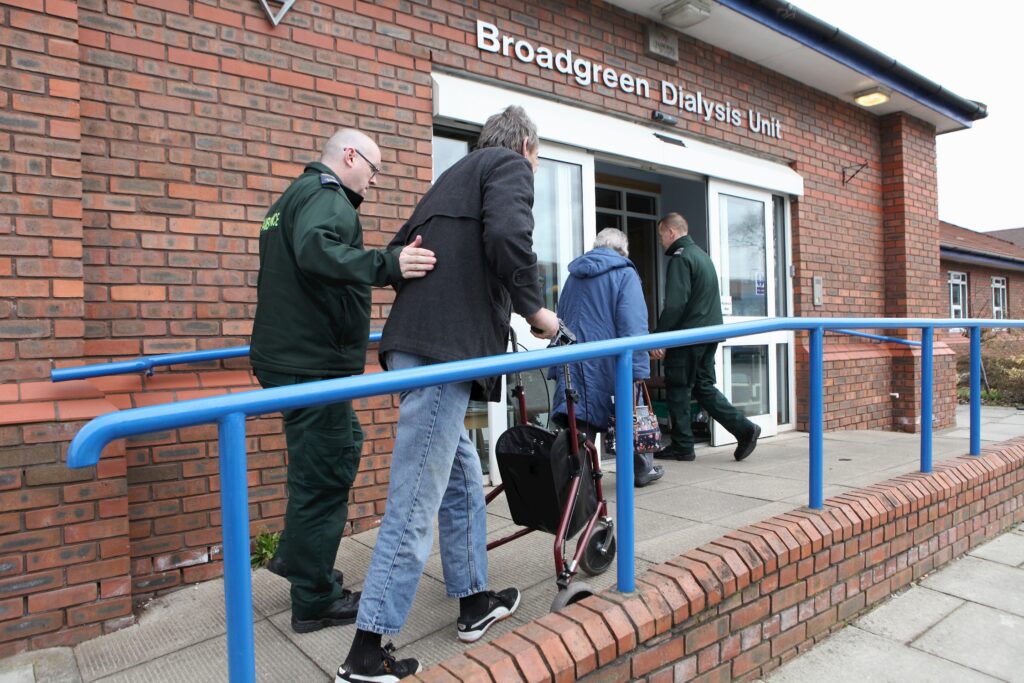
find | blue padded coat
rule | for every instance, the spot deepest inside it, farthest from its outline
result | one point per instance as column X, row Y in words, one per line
column 602, row 299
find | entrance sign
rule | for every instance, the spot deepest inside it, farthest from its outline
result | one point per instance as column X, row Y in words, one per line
column 587, row 73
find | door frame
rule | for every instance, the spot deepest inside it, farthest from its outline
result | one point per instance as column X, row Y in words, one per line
column 767, row 421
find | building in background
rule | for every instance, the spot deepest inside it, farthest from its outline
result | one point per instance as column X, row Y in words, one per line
column 141, row 143
column 984, row 276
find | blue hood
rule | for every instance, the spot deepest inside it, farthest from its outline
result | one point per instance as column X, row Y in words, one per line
column 597, row 262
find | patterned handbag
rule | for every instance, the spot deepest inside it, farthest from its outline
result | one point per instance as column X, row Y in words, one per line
column 646, row 432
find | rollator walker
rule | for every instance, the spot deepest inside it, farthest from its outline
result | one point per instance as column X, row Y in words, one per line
column 552, row 481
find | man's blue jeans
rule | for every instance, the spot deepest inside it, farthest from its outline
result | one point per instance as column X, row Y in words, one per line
column 435, row 473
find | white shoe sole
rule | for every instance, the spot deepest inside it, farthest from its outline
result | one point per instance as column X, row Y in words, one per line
column 499, row 614
column 382, row 678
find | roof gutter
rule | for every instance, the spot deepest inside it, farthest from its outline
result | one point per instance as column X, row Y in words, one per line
column 804, row 28
column 961, row 256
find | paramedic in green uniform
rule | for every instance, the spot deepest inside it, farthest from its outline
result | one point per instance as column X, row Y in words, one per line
column 692, row 300
column 312, row 323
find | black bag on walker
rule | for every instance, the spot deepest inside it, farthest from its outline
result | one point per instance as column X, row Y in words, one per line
column 536, row 466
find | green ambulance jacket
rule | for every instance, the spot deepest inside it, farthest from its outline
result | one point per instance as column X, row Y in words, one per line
column 313, row 291
column 692, row 297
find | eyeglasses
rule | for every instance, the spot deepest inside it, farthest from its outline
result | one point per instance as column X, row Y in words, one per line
column 373, row 167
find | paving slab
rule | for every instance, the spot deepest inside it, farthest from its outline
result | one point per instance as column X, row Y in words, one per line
column 52, row 665
column 909, row 614
column 25, row 674
column 696, row 504
column 756, row 485
column 980, row 638
column 194, row 614
column 276, row 660
column 853, row 655
column 667, row 546
column 1008, row 549
column 981, row 581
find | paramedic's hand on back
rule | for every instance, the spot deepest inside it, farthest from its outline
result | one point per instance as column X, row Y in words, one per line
column 543, row 324
column 415, row 261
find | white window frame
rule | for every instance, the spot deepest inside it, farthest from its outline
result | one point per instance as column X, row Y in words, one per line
column 958, row 279
column 999, row 302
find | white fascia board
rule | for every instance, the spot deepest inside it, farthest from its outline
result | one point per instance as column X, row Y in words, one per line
column 468, row 101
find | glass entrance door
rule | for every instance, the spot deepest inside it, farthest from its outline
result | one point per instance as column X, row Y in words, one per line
column 753, row 372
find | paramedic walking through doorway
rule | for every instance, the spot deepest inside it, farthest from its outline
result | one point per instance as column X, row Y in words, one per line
column 692, row 300
column 478, row 219
column 312, row 322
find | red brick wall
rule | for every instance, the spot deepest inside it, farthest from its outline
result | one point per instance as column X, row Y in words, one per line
column 140, row 143
column 740, row 606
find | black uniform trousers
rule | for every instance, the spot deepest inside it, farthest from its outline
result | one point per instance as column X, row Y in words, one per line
column 324, row 444
column 692, row 373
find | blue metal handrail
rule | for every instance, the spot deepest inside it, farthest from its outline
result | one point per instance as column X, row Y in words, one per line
column 230, row 411
column 148, row 363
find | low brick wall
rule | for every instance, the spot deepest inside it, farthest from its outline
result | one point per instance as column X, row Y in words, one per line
column 740, row 606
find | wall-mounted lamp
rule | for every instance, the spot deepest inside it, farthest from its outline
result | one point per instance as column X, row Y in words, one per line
column 662, row 117
column 685, row 13
column 872, row 97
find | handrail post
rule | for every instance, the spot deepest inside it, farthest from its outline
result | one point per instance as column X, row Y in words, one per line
column 234, row 504
column 926, row 399
column 976, row 390
column 624, row 468
column 816, row 484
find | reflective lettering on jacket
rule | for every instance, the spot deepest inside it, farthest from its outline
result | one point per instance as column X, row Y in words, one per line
column 271, row 221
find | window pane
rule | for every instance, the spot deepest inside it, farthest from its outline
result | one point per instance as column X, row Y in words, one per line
column 639, row 203
column 606, row 198
column 446, row 152
column 608, row 220
column 558, row 222
column 744, row 238
column 748, row 367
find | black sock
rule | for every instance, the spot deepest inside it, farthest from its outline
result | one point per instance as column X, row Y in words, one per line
column 365, row 651
column 473, row 605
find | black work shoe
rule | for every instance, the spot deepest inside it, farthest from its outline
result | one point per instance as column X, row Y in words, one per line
column 500, row 606
column 341, row 611
column 279, row 567
column 673, row 452
column 747, row 444
column 653, row 475
column 385, row 670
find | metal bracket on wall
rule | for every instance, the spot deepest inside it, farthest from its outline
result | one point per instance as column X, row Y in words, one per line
column 850, row 172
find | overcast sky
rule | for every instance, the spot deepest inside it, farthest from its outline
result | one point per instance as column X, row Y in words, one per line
column 972, row 48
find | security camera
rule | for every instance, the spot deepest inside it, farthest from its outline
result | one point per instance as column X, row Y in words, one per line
column 662, row 117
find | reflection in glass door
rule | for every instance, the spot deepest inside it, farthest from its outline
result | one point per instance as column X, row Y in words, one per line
column 753, row 371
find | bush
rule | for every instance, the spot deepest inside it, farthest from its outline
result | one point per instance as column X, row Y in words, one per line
column 1005, row 381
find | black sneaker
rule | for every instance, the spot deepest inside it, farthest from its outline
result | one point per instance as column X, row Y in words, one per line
column 747, row 444
column 500, row 606
column 279, row 567
column 387, row 669
column 340, row 612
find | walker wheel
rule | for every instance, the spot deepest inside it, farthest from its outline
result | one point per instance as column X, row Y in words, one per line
column 600, row 551
column 573, row 594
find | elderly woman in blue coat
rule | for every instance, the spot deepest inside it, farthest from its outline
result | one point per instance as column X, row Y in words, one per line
column 603, row 299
